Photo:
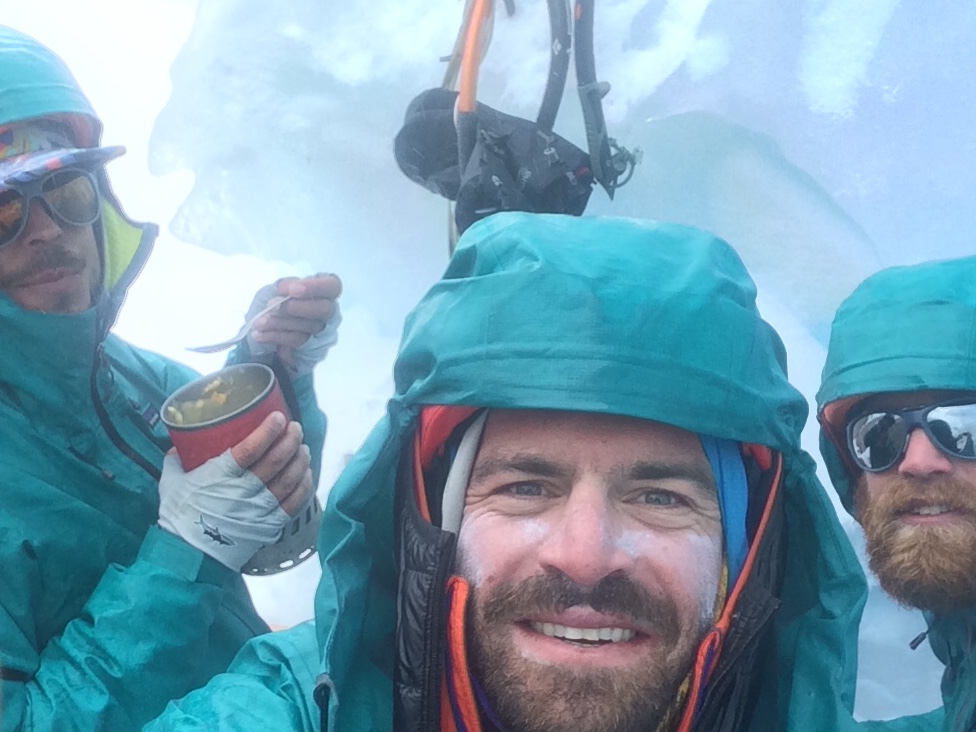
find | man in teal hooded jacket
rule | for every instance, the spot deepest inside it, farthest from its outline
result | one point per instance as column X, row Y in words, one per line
column 897, row 408
column 546, row 321
column 105, row 616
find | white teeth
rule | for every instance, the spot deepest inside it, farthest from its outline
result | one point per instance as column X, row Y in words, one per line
column 931, row 510
column 614, row 635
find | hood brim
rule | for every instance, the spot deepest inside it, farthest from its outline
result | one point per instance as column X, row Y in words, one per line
column 25, row 168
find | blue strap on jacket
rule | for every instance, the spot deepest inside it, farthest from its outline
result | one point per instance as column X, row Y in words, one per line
column 725, row 458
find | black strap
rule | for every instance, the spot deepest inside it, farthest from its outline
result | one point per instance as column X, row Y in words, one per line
column 274, row 362
column 560, row 45
column 591, row 94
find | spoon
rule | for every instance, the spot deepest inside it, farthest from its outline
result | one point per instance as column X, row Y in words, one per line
column 273, row 303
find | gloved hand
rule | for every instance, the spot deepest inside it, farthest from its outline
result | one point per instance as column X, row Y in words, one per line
column 239, row 501
column 304, row 328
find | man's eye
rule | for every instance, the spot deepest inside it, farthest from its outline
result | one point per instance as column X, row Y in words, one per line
column 525, row 490
column 660, row 498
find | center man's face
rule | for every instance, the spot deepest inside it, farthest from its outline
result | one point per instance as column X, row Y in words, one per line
column 593, row 545
column 919, row 520
column 51, row 268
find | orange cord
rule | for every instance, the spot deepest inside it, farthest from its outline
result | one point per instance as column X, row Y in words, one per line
column 434, row 427
column 712, row 645
column 420, row 491
column 467, row 705
column 471, row 59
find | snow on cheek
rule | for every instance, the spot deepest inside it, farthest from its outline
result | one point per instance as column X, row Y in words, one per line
column 492, row 553
column 693, row 561
column 531, row 531
column 637, row 544
column 705, row 557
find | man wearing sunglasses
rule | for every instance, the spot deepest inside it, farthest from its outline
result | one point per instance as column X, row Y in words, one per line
column 897, row 409
column 116, row 593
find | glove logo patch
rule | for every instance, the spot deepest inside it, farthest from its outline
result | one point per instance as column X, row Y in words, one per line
column 213, row 533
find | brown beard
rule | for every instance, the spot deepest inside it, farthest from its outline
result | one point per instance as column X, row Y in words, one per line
column 528, row 697
column 926, row 567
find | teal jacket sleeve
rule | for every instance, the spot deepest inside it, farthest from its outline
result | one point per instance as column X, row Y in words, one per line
column 145, row 636
column 269, row 686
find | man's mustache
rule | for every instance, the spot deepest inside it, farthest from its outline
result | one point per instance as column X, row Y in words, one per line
column 554, row 592
column 43, row 258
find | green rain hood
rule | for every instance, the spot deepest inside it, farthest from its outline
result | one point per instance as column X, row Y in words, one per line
column 34, row 82
column 600, row 315
column 907, row 329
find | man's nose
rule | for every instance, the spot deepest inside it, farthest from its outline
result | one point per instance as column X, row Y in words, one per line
column 922, row 459
column 40, row 224
column 584, row 542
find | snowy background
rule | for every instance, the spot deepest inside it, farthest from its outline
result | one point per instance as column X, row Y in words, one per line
column 824, row 139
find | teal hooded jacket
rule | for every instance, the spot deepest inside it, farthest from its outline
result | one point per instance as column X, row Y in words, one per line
column 907, row 329
column 599, row 315
column 103, row 616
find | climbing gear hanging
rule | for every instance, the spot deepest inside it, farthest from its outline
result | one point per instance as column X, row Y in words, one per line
column 487, row 161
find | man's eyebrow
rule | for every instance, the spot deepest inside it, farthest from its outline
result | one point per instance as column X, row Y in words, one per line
column 529, row 464
column 702, row 477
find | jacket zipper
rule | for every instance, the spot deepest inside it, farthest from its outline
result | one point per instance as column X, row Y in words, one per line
column 435, row 630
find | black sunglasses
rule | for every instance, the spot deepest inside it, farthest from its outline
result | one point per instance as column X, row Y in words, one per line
column 878, row 439
column 69, row 195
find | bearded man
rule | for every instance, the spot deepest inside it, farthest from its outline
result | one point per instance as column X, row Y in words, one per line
column 897, row 408
column 585, row 509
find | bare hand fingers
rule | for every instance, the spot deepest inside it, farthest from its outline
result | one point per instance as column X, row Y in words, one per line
column 292, row 485
column 321, row 309
column 274, row 459
column 288, row 322
column 320, row 286
column 250, row 450
column 285, row 338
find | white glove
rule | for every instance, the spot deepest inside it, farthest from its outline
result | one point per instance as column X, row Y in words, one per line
column 305, row 356
column 220, row 508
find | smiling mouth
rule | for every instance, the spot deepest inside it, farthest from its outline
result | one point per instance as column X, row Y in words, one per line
column 931, row 514
column 584, row 636
column 935, row 510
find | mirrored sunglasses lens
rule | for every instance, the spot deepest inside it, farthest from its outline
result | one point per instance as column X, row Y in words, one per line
column 11, row 211
column 877, row 440
column 72, row 196
column 954, row 428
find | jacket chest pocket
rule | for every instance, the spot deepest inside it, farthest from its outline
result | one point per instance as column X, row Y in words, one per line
column 134, row 415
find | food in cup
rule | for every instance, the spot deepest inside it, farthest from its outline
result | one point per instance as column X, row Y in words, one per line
column 215, row 412
column 223, row 395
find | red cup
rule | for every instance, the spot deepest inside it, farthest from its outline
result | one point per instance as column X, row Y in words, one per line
column 215, row 412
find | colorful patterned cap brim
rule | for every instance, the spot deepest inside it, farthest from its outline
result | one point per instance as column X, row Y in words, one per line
column 20, row 169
